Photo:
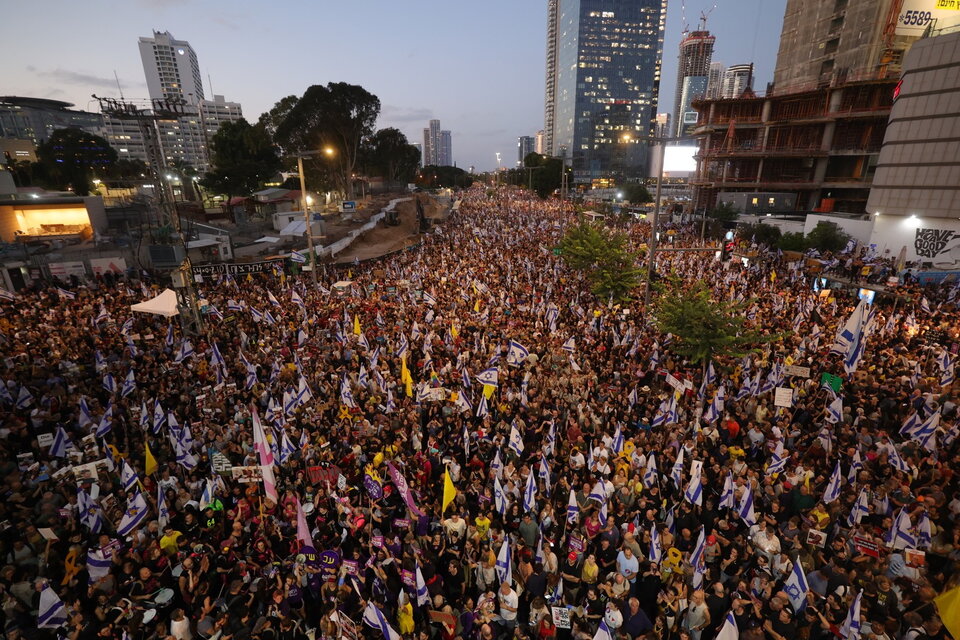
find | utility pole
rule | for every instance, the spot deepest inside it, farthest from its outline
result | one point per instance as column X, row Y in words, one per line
column 328, row 151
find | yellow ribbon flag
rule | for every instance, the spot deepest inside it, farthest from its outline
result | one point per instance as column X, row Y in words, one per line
column 453, row 329
column 150, row 465
column 356, row 325
column 405, row 377
column 449, row 491
column 476, row 306
column 948, row 603
column 488, row 390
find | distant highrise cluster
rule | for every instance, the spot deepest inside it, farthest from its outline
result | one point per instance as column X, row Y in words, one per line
column 437, row 146
column 693, row 72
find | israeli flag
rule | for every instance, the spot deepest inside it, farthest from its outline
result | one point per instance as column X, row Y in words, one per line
column 796, row 587
column 374, row 618
column 729, row 630
column 650, row 476
column 832, row 492
column 694, row 492
column 897, row 462
column 136, row 512
column 530, row 493
column 6, row 295
column 504, row 564
column 489, row 376
column 860, row 509
column 63, row 293
column 102, row 315
column 429, row 299
column 516, row 354
column 715, row 409
column 516, row 440
column 745, row 509
column 106, row 422
column 551, row 443
column 924, row 531
column 24, row 398
column 900, row 535
column 163, row 514
column 617, row 444
column 727, row 499
column 59, row 447
column 851, row 626
column 297, row 257
column 570, row 345
column 52, row 613
column 777, row 464
column 656, row 548
column 168, row 341
column 676, row 473
column 543, row 473
column 835, row 411
column 128, row 477
column 129, row 384
column 89, row 511
column 573, row 509
column 499, row 497
column 423, row 596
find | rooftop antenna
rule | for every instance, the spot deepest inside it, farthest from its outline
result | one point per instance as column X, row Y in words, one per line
column 117, row 78
column 210, row 84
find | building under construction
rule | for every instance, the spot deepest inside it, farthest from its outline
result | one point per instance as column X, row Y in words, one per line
column 821, row 144
column 818, row 130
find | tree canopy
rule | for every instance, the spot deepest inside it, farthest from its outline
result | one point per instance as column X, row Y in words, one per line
column 243, row 158
column 435, row 177
column 388, row 154
column 338, row 116
column 706, row 328
column 604, row 257
column 636, row 193
column 70, row 158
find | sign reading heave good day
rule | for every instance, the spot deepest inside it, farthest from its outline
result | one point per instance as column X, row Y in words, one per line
column 783, row 397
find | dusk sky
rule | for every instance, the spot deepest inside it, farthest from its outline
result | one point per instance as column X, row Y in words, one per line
column 477, row 66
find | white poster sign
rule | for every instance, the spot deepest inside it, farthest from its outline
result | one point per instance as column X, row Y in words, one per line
column 99, row 266
column 783, row 397
column 63, row 270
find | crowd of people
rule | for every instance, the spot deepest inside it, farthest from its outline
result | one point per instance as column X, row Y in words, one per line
column 461, row 441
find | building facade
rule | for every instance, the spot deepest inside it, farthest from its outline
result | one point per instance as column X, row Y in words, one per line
column 603, row 82
column 437, row 146
column 693, row 73
column 824, row 41
column 737, row 78
column 715, row 80
column 540, row 143
column 171, row 68
column 525, row 146
column 37, row 118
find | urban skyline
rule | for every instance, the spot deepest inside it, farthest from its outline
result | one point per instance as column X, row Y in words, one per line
column 486, row 94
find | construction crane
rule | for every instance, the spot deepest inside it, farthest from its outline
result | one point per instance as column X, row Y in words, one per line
column 704, row 16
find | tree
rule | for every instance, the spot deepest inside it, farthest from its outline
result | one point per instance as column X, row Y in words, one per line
column 603, row 256
column 434, row 177
column 71, row 157
column 337, row 116
column 388, row 154
column 827, row 236
column 271, row 120
column 767, row 234
column 792, row 241
column 547, row 176
column 243, row 158
column 636, row 193
column 705, row 328
column 725, row 213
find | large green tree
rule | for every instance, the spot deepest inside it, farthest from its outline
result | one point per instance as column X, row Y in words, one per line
column 434, row 177
column 338, row 116
column 243, row 158
column 547, row 173
column 388, row 154
column 604, row 257
column 71, row 158
column 636, row 193
column 705, row 328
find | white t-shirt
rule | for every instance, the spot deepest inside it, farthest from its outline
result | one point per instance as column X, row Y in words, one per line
column 511, row 600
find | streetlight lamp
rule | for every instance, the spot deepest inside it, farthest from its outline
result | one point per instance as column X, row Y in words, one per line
column 305, row 201
column 498, row 169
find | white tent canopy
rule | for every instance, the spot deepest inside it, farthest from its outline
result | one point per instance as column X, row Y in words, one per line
column 164, row 304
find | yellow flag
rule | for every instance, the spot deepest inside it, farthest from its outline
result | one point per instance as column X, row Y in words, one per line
column 453, row 329
column 476, row 306
column 449, row 491
column 349, row 274
column 488, row 390
column 408, row 387
column 948, row 603
column 356, row 325
column 151, row 462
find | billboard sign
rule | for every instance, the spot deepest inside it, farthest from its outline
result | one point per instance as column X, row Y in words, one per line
column 916, row 15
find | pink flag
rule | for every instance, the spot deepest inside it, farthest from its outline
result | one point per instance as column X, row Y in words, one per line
column 266, row 457
column 303, row 531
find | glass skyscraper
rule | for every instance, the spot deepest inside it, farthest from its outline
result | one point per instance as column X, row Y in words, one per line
column 603, row 80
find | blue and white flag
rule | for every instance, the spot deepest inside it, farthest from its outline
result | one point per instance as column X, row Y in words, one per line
column 517, row 354
column 530, row 493
column 617, row 444
column 694, row 492
column 777, row 464
column 729, row 630
column 832, row 491
column 128, row 477
column 835, row 411
column 297, row 257
column 135, row 514
column 697, row 559
column 901, row 535
column 543, row 473
column 676, row 473
column 924, row 531
column 656, row 548
column 796, row 587
column 650, row 476
column 24, row 398
column 499, row 497
column 727, row 498
column 163, row 514
column 106, row 422
column 423, row 595
column 516, row 440
column 570, row 345
column 89, row 511
column 7, row 295
column 52, row 613
column 98, row 565
column 550, row 446
column 374, row 618
column 745, row 509
column 715, row 409
column 63, row 293
column 129, row 384
column 109, row 384
column 505, row 562
column 896, row 461
column 603, row 631
column 853, row 338
column 860, row 509
column 429, row 299
column 489, row 376
column 573, row 509
column 598, row 492
column 851, row 626
column 60, row 441
column 497, row 465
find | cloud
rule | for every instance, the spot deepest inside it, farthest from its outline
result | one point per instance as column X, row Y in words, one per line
column 405, row 114
column 83, row 79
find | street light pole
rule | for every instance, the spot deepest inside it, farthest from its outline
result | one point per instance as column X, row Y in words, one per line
column 306, row 217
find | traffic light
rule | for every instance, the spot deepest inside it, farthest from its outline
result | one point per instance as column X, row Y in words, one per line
column 727, row 252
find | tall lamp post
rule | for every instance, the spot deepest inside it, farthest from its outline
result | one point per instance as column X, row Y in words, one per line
column 497, row 183
column 304, row 203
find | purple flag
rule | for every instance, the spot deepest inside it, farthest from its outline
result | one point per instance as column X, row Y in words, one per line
column 400, row 482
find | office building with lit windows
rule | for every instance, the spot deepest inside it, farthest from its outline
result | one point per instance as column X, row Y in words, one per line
column 171, row 68
column 603, row 80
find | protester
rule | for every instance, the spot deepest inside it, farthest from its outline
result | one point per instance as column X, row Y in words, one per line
column 461, row 441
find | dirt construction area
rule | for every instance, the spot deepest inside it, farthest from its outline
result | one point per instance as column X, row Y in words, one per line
column 385, row 239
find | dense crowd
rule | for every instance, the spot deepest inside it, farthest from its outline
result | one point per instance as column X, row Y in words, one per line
column 460, row 441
